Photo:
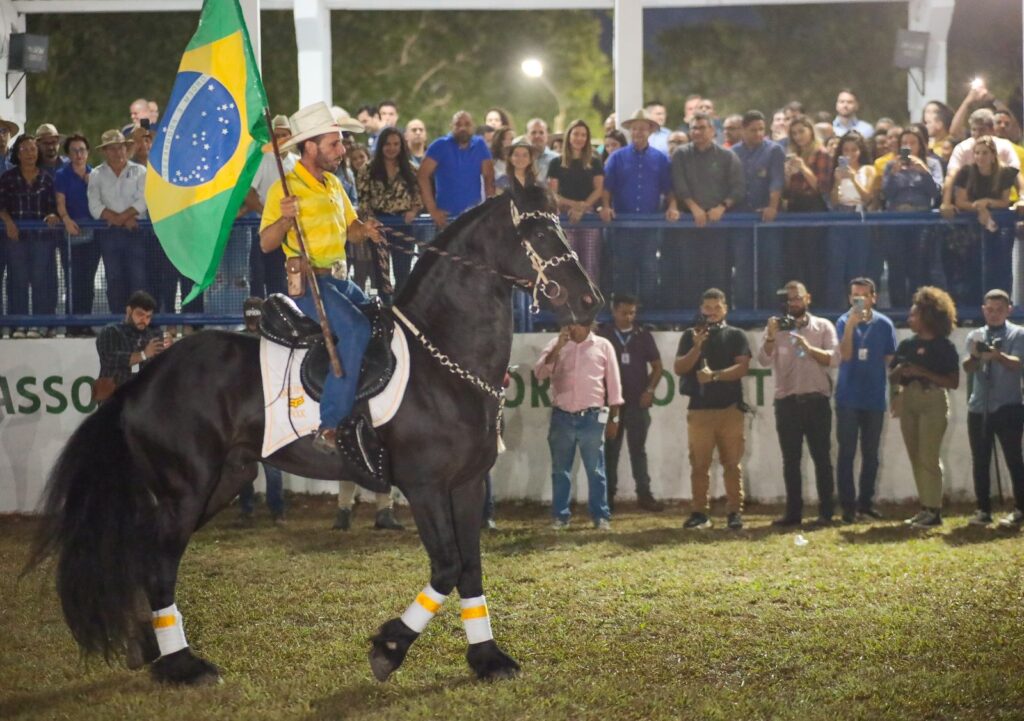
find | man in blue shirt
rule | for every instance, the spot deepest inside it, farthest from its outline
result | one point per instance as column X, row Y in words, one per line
column 764, row 178
column 846, row 115
column 995, row 408
column 635, row 179
column 456, row 163
column 867, row 347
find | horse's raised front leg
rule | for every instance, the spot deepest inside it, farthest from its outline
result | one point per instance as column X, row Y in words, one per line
column 433, row 514
column 486, row 659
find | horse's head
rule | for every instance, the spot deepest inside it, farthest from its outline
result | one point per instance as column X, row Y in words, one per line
column 543, row 256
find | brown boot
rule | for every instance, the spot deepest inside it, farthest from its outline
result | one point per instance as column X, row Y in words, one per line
column 326, row 441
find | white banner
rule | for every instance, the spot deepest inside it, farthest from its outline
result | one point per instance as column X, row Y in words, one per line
column 45, row 392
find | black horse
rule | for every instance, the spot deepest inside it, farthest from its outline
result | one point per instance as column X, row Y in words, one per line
column 175, row 445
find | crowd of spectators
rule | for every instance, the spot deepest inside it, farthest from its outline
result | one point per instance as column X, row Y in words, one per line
column 701, row 169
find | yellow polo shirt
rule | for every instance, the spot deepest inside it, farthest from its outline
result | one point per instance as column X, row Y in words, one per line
column 325, row 212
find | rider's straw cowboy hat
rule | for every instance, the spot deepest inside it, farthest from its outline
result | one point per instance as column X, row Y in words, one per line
column 641, row 116
column 311, row 121
column 345, row 121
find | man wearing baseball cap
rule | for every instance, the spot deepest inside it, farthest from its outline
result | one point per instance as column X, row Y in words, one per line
column 320, row 206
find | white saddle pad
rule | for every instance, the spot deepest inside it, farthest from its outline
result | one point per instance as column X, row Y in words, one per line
column 290, row 413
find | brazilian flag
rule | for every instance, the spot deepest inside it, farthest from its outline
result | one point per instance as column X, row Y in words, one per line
column 207, row 146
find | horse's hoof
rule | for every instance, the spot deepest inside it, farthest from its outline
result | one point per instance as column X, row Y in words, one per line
column 490, row 663
column 390, row 645
column 183, row 668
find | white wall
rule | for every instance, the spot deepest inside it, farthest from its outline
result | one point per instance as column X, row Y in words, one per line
column 37, row 413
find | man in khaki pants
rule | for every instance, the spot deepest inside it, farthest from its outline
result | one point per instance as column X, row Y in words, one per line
column 711, row 361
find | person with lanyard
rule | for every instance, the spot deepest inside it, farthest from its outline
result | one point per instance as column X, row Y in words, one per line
column 327, row 218
column 995, row 408
column 586, row 395
column 801, row 349
column 867, row 345
column 711, row 361
column 640, row 371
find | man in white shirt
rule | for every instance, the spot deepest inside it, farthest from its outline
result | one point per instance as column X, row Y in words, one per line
column 117, row 195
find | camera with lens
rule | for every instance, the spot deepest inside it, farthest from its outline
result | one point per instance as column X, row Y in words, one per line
column 702, row 324
column 989, row 345
column 785, row 322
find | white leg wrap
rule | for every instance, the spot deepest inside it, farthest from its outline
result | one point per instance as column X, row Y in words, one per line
column 170, row 632
column 420, row 611
column 476, row 619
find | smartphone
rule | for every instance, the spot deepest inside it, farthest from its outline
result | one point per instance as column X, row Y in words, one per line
column 844, row 162
column 858, row 304
column 905, row 154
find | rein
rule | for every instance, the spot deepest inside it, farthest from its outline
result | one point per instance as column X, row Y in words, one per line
column 549, row 288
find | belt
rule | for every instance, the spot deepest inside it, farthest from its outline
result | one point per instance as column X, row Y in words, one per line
column 321, row 271
column 584, row 412
column 804, row 397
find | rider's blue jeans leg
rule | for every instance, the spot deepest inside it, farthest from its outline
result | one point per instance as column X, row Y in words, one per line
column 342, row 299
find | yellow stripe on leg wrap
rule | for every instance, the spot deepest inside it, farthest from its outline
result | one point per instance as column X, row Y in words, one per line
column 420, row 611
column 476, row 620
column 169, row 630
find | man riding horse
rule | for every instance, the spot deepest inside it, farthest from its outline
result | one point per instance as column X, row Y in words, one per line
column 320, row 206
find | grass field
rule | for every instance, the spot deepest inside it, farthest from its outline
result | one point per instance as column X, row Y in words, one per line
column 646, row 622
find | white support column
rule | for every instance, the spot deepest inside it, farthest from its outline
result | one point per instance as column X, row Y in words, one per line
column 628, row 57
column 932, row 17
column 251, row 14
column 13, row 108
column 313, row 39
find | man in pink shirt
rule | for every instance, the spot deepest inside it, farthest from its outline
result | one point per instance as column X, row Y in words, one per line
column 587, row 395
column 801, row 349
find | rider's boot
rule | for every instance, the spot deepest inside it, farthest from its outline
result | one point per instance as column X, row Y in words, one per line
column 363, row 449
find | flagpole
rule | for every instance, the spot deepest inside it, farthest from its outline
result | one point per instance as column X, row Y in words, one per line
column 325, row 327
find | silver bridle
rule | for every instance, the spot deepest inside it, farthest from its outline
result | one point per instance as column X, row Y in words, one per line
column 549, row 288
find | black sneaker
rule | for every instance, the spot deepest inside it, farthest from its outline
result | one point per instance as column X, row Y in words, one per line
column 1013, row 521
column 787, row 522
column 849, row 517
column 386, row 521
column 650, row 503
column 698, row 522
column 927, row 519
column 981, row 518
column 343, row 521
column 822, row 522
column 921, row 515
column 735, row 521
column 872, row 513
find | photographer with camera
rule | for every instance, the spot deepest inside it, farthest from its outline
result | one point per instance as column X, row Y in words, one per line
column 995, row 408
column 867, row 346
column 801, row 348
column 711, row 361
column 926, row 365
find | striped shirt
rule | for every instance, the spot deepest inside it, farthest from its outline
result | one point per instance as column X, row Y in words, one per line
column 115, row 345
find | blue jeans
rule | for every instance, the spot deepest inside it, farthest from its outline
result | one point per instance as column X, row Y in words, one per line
column 32, row 261
column 635, row 262
column 124, row 263
column 768, row 272
column 341, row 302
column 851, row 422
column 275, row 493
column 566, row 433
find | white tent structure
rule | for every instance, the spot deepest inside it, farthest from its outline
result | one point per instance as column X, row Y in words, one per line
column 313, row 34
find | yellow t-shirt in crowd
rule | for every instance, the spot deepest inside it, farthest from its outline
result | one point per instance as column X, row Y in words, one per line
column 325, row 212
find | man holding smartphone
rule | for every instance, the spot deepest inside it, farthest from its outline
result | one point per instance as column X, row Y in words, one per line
column 995, row 408
column 126, row 345
column 586, row 395
column 866, row 349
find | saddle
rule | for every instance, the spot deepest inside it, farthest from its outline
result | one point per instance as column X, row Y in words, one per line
column 283, row 323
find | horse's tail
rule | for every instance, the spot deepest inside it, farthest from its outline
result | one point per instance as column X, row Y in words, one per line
column 100, row 517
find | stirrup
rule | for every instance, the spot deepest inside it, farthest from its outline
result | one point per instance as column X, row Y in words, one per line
column 363, row 449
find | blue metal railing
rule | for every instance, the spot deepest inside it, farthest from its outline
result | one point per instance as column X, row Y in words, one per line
column 223, row 300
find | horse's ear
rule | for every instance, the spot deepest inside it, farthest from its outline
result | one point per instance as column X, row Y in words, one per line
column 516, row 215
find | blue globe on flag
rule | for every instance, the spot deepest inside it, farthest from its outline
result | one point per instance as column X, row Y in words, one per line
column 199, row 132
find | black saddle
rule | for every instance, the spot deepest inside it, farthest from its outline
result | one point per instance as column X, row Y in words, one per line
column 283, row 323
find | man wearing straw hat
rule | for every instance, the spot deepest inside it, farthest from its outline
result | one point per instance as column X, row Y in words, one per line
column 318, row 204
column 48, row 140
